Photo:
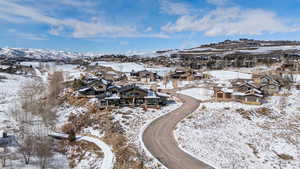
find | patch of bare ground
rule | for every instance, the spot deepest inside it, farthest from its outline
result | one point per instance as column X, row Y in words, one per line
column 254, row 149
column 284, row 156
column 77, row 152
column 247, row 114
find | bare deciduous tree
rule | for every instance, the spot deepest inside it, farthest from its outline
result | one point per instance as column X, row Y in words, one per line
column 175, row 83
column 165, row 80
column 55, row 87
column 44, row 151
column 30, row 95
column 26, row 148
column 4, row 154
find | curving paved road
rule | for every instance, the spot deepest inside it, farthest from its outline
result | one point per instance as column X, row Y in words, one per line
column 160, row 141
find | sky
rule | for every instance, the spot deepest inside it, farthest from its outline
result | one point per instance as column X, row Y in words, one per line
column 114, row 26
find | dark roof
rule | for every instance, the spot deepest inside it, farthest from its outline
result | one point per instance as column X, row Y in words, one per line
column 130, row 87
column 8, row 141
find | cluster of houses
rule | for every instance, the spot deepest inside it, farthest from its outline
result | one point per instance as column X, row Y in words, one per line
column 246, row 92
column 114, row 96
column 16, row 69
column 253, row 91
column 144, row 76
column 291, row 62
column 188, row 74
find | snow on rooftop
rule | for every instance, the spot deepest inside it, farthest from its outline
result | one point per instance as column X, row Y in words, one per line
column 4, row 66
column 162, row 94
column 113, row 97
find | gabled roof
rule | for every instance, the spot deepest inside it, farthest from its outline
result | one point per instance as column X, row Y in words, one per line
column 85, row 88
column 131, row 87
column 253, row 94
column 273, row 79
column 249, row 84
column 225, row 90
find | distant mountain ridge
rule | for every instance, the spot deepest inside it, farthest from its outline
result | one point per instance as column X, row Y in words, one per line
column 219, row 49
column 39, row 54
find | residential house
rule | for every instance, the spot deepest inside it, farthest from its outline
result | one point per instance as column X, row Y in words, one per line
column 92, row 86
column 7, row 140
column 252, row 96
column 132, row 95
column 180, row 73
column 145, row 76
column 271, row 84
column 223, row 94
column 246, row 93
column 113, row 76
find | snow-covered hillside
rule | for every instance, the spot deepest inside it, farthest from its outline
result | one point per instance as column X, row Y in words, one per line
column 219, row 49
column 39, row 54
column 224, row 136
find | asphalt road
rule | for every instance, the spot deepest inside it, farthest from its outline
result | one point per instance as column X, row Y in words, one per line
column 160, row 141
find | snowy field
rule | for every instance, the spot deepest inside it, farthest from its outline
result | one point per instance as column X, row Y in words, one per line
column 232, row 135
column 129, row 67
column 198, row 93
column 43, row 69
column 228, row 75
column 175, row 84
column 9, row 96
column 9, row 100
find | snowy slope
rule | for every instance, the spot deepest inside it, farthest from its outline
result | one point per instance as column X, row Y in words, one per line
column 221, row 136
column 39, row 54
column 228, row 75
column 198, row 93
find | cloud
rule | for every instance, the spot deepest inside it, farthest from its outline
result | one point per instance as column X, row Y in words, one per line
column 231, row 21
column 124, row 43
column 76, row 3
column 149, row 29
column 56, row 31
column 27, row 36
column 174, row 8
column 80, row 29
column 217, row 2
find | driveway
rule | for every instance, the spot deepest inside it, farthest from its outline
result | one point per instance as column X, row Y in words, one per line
column 160, row 141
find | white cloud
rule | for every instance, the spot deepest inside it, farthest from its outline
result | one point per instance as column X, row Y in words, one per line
column 30, row 36
column 231, row 21
column 149, row 29
column 124, row 43
column 10, row 18
column 56, row 31
column 27, row 36
column 81, row 29
column 79, row 3
column 217, row 2
column 174, row 8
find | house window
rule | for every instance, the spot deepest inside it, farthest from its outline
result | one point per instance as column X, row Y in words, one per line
column 228, row 95
column 220, row 95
